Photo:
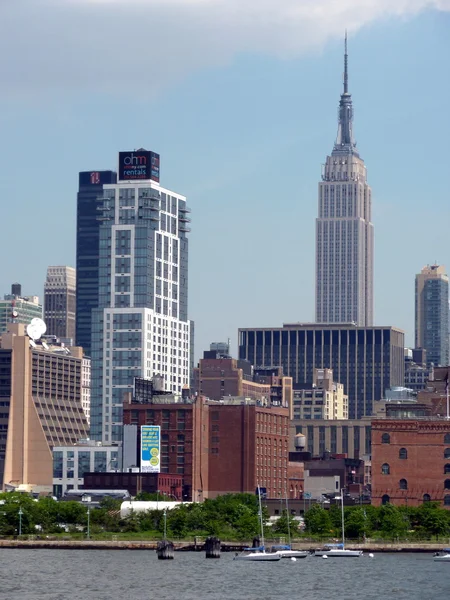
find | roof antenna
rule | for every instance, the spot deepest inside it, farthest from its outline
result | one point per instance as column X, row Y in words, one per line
column 345, row 66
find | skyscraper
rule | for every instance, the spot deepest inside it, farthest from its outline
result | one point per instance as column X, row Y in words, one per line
column 59, row 302
column 141, row 327
column 90, row 188
column 432, row 314
column 15, row 308
column 344, row 232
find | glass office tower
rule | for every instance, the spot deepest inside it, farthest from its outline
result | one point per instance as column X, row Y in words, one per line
column 88, row 226
column 141, row 326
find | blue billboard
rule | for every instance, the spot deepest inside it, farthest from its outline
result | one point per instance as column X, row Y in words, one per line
column 150, row 449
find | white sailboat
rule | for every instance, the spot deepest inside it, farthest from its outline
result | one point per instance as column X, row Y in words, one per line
column 285, row 550
column 258, row 554
column 338, row 550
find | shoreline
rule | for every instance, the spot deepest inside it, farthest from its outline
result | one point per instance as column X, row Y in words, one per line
column 192, row 547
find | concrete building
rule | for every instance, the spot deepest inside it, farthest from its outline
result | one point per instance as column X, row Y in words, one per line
column 218, row 376
column 90, row 188
column 417, row 373
column 71, row 463
column 141, row 327
column 344, row 231
column 351, row 437
column 86, row 387
column 411, row 461
column 325, row 399
column 60, row 302
column 432, row 314
column 41, row 407
column 365, row 360
column 15, row 308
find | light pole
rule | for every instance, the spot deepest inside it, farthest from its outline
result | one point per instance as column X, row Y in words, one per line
column 20, row 520
column 165, row 523
column 87, row 501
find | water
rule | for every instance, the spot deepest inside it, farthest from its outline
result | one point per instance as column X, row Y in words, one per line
column 138, row 575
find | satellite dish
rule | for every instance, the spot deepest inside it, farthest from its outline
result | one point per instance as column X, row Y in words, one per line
column 36, row 328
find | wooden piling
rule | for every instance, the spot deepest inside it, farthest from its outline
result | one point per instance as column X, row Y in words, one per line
column 212, row 547
column 165, row 550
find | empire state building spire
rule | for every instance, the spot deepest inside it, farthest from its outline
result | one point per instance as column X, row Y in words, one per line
column 344, row 140
column 344, row 230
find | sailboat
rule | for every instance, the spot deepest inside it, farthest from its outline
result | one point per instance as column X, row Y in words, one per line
column 285, row 550
column 259, row 553
column 338, row 550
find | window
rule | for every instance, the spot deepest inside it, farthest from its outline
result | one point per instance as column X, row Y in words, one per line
column 447, row 500
column 447, row 453
column 385, row 469
column 385, row 438
column 385, row 499
column 446, row 469
column 447, row 484
column 403, row 453
column 447, row 438
column 403, row 484
column 426, row 498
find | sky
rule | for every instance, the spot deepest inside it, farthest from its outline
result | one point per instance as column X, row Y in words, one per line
column 240, row 99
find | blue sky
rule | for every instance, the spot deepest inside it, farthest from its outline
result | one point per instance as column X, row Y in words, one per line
column 240, row 99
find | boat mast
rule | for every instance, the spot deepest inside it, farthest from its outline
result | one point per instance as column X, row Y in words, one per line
column 260, row 517
column 342, row 511
column 287, row 516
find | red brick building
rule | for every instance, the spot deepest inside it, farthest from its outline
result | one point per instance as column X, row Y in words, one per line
column 248, row 446
column 411, row 461
column 218, row 377
column 184, row 437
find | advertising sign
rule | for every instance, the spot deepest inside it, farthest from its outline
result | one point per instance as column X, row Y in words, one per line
column 150, row 449
column 139, row 164
column 97, row 177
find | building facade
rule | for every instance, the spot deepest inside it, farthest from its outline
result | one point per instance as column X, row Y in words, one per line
column 366, row 360
column 248, row 446
column 219, row 376
column 43, row 409
column 86, row 387
column 90, row 188
column 60, row 302
column 71, row 463
column 141, row 327
column 324, row 400
column 432, row 314
column 349, row 437
column 344, row 231
column 411, row 461
column 15, row 308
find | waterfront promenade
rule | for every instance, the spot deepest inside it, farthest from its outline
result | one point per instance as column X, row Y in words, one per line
column 190, row 546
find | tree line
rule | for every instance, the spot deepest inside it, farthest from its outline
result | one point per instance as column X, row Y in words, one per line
column 230, row 517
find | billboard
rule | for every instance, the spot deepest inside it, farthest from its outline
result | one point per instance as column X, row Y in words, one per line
column 139, row 164
column 150, row 448
column 97, row 177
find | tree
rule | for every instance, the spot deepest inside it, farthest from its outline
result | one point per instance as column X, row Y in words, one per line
column 317, row 520
column 286, row 524
column 356, row 523
column 392, row 520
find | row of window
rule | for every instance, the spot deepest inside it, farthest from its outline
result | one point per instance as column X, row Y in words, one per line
column 385, row 499
column 386, row 439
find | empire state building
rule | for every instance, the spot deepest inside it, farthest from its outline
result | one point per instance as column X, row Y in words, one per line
column 344, row 232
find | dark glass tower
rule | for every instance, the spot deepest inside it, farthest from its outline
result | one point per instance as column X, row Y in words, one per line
column 89, row 190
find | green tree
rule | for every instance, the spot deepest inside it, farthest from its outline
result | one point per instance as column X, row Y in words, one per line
column 356, row 523
column 392, row 520
column 286, row 524
column 317, row 520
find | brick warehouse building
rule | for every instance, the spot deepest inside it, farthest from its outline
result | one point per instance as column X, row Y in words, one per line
column 231, row 445
column 248, row 446
column 411, row 461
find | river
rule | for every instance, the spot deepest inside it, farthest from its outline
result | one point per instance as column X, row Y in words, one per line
column 139, row 575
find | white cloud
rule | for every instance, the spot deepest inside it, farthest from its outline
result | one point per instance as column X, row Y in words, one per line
column 110, row 45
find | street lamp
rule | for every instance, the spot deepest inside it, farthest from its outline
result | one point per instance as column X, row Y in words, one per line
column 20, row 520
column 87, row 500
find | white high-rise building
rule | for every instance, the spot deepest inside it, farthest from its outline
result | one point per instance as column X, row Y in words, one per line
column 141, row 327
column 344, row 231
